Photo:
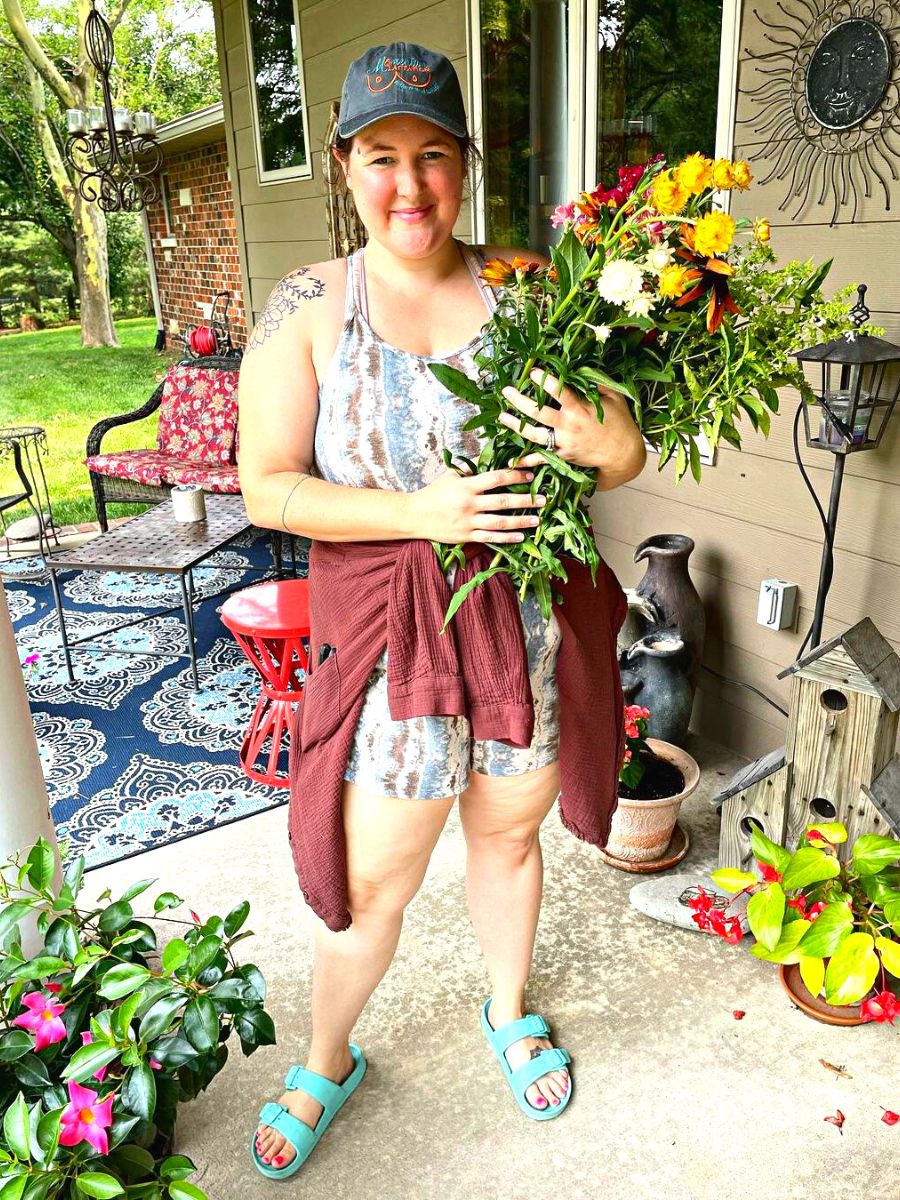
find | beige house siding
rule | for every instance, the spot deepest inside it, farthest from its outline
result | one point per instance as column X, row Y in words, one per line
column 283, row 224
column 751, row 517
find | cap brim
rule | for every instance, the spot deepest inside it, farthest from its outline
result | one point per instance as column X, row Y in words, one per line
column 348, row 129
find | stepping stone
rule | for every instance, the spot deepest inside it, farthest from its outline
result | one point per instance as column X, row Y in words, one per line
column 664, row 899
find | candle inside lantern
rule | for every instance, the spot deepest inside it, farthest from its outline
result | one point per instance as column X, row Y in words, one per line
column 76, row 121
column 144, row 123
column 122, row 119
column 96, row 117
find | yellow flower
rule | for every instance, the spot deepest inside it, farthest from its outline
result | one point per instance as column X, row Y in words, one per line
column 723, row 177
column 761, row 229
column 673, row 281
column 742, row 174
column 497, row 272
column 713, row 233
column 695, row 174
column 668, row 194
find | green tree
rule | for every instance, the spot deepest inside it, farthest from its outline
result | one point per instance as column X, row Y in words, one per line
column 159, row 45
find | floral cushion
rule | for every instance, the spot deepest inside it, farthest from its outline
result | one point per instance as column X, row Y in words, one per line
column 198, row 415
column 162, row 470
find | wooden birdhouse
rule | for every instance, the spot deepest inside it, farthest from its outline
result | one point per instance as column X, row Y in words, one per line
column 839, row 762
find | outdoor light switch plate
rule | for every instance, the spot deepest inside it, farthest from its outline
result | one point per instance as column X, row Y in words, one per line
column 168, row 242
column 184, row 197
column 777, row 604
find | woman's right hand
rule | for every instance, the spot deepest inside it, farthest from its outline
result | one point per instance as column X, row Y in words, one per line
column 467, row 508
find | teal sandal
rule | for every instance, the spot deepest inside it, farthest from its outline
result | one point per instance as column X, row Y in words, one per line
column 332, row 1096
column 521, row 1079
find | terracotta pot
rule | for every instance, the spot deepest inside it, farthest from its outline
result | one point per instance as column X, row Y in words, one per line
column 642, row 829
column 816, row 1006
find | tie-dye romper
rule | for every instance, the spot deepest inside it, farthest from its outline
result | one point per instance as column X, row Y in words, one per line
column 383, row 422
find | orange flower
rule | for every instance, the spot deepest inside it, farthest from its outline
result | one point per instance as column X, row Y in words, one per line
column 668, row 194
column 526, row 265
column 497, row 272
column 742, row 174
column 695, row 174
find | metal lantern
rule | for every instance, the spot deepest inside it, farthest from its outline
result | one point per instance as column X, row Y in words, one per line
column 854, row 403
column 115, row 154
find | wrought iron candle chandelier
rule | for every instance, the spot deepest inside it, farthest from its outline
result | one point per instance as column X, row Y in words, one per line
column 115, row 155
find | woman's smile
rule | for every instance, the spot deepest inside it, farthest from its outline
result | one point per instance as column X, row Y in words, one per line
column 411, row 216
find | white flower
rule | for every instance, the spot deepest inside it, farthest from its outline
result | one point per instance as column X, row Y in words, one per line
column 850, row 335
column 640, row 306
column 664, row 337
column 620, row 281
column 601, row 332
column 658, row 258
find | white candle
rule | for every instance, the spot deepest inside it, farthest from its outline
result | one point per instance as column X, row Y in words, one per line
column 76, row 121
column 96, row 117
column 122, row 119
column 144, row 123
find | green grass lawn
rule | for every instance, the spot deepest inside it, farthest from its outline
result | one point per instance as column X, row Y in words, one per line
column 48, row 379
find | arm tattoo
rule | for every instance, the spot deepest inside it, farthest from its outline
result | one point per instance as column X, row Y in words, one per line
column 285, row 299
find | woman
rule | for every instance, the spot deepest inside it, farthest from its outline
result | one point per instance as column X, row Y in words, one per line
column 336, row 377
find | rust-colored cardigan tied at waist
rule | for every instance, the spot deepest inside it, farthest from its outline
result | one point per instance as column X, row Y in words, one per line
column 367, row 595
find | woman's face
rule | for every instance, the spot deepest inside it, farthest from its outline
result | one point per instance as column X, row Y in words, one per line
column 406, row 175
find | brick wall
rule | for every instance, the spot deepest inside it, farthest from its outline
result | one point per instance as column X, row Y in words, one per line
column 196, row 250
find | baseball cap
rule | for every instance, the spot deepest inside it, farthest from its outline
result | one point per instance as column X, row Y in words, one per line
column 401, row 78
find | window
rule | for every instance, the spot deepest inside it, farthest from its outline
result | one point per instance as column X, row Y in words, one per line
column 276, row 90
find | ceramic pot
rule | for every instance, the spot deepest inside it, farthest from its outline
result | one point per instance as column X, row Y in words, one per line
column 642, row 829
column 667, row 586
column 655, row 677
column 816, row 1006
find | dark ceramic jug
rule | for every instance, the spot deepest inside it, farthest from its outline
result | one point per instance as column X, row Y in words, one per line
column 653, row 674
column 667, row 585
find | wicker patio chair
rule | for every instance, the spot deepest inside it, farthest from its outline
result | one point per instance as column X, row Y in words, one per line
column 111, row 489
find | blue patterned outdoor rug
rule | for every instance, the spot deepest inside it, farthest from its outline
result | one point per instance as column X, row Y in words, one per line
column 133, row 757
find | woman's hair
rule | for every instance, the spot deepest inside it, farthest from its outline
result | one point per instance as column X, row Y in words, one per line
column 473, row 162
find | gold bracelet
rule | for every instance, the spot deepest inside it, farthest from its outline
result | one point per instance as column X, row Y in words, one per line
column 288, row 500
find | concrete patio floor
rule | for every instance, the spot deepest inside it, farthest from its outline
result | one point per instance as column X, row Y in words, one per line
column 674, row 1097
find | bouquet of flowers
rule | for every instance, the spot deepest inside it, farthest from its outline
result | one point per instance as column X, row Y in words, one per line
column 650, row 292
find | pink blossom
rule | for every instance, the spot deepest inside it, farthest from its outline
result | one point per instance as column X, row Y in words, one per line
column 561, row 214
column 86, row 1038
column 42, row 1019
column 84, row 1120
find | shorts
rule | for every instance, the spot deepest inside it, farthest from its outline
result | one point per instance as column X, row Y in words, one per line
column 429, row 758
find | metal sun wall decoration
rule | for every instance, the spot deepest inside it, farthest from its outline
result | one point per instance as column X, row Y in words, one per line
column 834, row 80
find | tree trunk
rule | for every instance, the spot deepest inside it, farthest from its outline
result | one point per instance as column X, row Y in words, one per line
column 97, row 328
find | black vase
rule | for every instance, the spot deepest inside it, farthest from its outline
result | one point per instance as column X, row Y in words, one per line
column 653, row 674
column 668, row 587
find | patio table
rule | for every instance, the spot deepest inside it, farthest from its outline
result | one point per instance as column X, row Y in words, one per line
column 155, row 543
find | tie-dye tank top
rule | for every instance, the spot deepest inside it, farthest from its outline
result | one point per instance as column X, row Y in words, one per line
column 383, row 422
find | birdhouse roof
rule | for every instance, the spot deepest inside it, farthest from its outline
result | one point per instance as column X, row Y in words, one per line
column 884, row 792
column 752, row 773
column 876, row 661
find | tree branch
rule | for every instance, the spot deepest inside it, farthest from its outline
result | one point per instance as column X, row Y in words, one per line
column 55, row 163
column 36, row 56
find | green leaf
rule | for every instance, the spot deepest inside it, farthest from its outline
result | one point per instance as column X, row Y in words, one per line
column 175, row 955
column 785, row 950
column 136, row 889
column 872, row 852
column 166, row 900
column 158, row 1018
column 891, row 911
column 731, row 880
column 14, row 1043
column 890, row 955
column 139, row 1091
column 181, row 1189
column 765, row 913
column 809, row 865
column 99, row 1184
column 769, row 852
column 115, row 917
column 176, row 1166
column 31, row 1072
column 75, row 874
column 122, row 979
column 16, row 1128
column 236, row 918
column 173, row 1052
column 41, row 862
column 87, row 1060
column 39, row 968
column 828, row 930
column 833, row 831
column 13, row 1189
column 255, row 1028
column 202, row 955
column 852, row 970
column 48, row 1132
column 456, row 382
column 12, row 914
column 812, row 972
column 124, row 1014
column 201, row 1023
column 132, row 1161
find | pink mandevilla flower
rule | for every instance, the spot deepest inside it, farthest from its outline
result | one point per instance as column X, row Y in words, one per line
column 86, row 1038
column 42, row 1019
column 84, row 1120
column 883, row 1008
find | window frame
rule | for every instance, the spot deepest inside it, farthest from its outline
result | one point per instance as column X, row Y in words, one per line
column 265, row 177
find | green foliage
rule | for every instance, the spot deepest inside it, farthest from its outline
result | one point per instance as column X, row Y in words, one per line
column 158, row 1024
column 838, row 920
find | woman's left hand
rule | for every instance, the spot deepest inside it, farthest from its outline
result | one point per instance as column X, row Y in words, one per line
column 614, row 445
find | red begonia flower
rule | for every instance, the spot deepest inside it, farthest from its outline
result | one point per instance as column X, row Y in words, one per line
column 769, row 874
column 838, row 1119
column 890, row 1118
column 882, row 1008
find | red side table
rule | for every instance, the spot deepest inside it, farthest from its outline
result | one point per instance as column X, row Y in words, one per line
column 269, row 622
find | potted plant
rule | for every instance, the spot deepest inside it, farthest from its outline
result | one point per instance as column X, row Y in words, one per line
column 833, row 927
column 654, row 781
column 101, row 1035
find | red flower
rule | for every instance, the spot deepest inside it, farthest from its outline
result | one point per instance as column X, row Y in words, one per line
column 882, row 1008
column 818, row 907
column 799, row 902
column 194, row 916
column 769, row 874
column 838, row 1119
column 739, row 1014
column 56, row 988
column 890, row 1118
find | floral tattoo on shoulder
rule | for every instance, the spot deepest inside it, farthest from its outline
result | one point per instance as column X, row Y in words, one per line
column 284, row 300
